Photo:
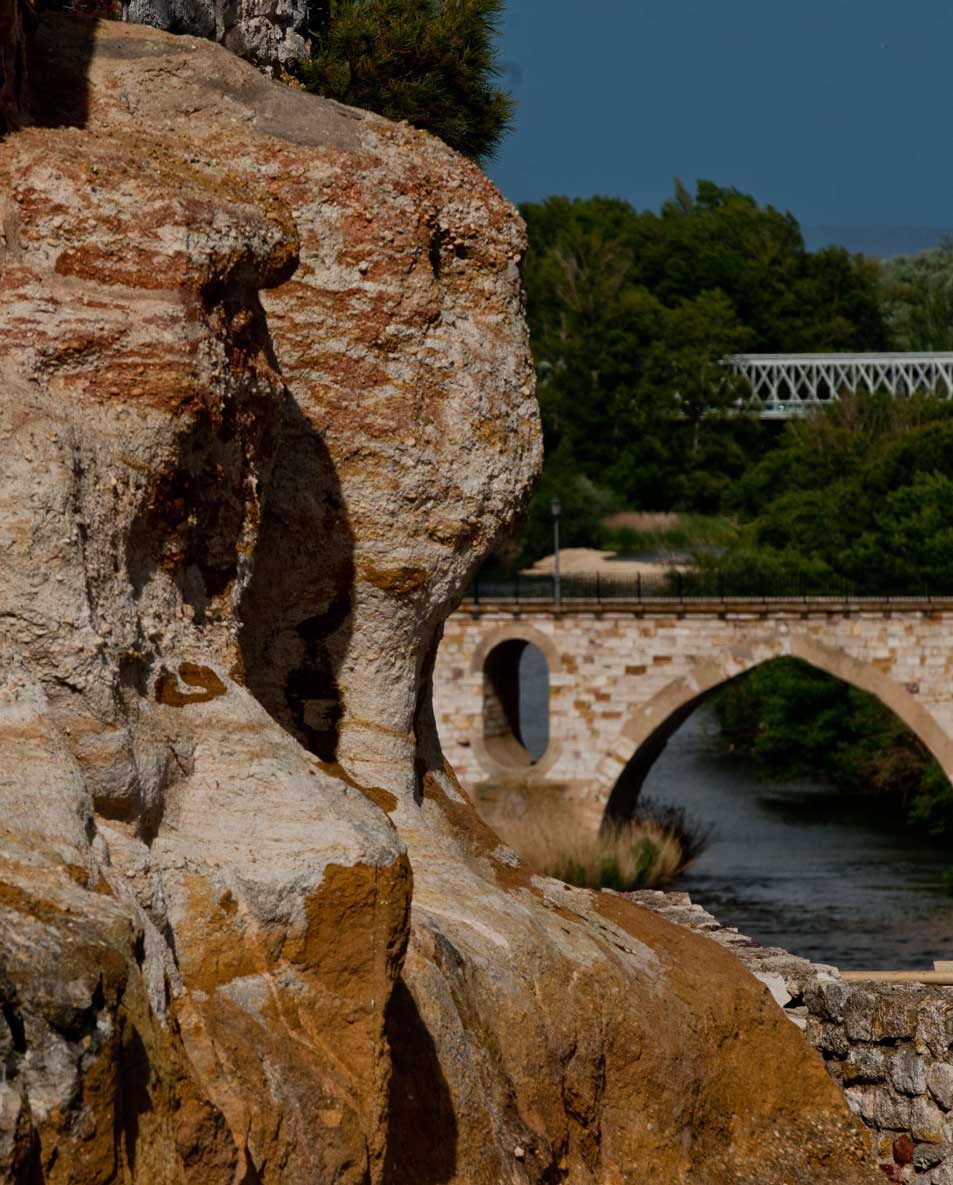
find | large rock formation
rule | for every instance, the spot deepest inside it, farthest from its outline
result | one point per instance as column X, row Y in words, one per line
column 266, row 401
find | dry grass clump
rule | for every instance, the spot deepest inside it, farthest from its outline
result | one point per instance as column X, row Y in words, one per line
column 640, row 853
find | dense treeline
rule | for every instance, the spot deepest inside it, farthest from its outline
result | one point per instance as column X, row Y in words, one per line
column 630, row 313
column 431, row 62
column 917, row 300
column 863, row 492
column 627, row 308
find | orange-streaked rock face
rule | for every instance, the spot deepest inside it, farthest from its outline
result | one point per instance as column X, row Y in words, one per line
column 163, row 817
column 265, row 400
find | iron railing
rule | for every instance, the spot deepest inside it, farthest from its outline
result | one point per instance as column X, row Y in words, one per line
column 707, row 585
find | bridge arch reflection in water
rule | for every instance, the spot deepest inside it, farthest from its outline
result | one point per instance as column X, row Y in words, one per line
column 623, row 678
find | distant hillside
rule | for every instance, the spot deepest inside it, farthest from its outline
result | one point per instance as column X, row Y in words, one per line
column 882, row 241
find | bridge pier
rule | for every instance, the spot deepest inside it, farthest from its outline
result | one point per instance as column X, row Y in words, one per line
column 622, row 678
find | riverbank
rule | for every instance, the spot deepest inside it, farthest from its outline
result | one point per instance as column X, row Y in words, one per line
column 648, row 851
column 590, row 561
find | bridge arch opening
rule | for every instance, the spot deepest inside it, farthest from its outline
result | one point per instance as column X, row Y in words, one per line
column 516, row 704
column 650, row 728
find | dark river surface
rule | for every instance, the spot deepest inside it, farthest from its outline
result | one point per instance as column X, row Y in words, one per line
column 793, row 865
column 797, row 866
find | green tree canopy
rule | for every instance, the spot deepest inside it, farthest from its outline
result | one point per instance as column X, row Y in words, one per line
column 861, row 493
column 631, row 312
column 917, row 298
column 431, row 62
column 686, row 362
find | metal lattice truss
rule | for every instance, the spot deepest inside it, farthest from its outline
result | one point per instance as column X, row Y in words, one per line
column 786, row 385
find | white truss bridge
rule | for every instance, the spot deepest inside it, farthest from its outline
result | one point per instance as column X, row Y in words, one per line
column 788, row 385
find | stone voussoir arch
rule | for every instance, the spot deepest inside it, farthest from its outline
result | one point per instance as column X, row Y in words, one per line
column 649, row 726
column 487, row 756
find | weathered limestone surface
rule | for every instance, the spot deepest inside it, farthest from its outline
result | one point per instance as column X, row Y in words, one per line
column 888, row 1046
column 621, row 680
column 265, row 399
column 274, row 34
column 231, row 884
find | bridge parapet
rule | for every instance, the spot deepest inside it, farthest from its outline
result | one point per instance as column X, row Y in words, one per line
column 771, row 606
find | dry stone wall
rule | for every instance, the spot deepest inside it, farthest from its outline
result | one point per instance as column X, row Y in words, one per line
column 888, row 1046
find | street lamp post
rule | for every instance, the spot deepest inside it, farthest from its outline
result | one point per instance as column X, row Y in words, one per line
column 556, row 506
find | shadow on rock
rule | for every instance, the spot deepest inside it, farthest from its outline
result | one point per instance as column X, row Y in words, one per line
column 58, row 70
column 17, row 19
column 297, row 611
column 422, row 1128
column 135, row 1073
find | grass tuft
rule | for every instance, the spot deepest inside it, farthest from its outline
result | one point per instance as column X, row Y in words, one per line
column 641, row 853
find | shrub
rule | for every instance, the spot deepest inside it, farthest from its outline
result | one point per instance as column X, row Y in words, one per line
column 692, row 837
column 431, row 62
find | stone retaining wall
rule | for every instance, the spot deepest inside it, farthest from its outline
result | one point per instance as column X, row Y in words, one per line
column 888, row 1046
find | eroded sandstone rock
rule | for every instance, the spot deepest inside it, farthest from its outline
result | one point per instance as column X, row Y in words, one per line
column 266, row 401
column 242, row 901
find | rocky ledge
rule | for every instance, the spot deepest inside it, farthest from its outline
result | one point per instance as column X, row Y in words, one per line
column 274, row 34
column 265, row 401
column 889, row 1046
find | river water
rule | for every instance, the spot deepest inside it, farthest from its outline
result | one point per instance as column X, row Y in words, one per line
column 794, row 865
column 800, row 867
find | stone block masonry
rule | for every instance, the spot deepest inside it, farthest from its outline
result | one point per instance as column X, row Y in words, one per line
column 888, row 1046
column 623, row 677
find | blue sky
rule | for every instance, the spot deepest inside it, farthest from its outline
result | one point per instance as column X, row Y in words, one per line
column 838, row 110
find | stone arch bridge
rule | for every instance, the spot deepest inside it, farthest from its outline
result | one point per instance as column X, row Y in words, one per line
column 623, row 677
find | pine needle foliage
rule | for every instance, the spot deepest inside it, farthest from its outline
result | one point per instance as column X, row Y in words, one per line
column 430, row 62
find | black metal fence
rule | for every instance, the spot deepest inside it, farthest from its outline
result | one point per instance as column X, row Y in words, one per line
column 707, row 585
